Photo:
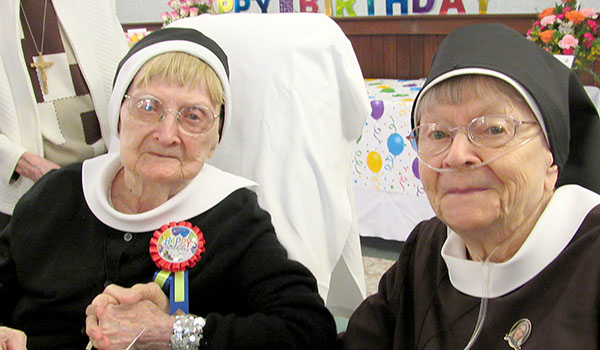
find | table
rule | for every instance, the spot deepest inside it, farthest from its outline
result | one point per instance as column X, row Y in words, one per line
column 389, row 196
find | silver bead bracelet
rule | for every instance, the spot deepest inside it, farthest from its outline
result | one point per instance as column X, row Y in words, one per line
column 187, row 332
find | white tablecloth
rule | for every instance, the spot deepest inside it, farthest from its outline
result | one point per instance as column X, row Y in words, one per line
column 389, row 196
column 594, row 93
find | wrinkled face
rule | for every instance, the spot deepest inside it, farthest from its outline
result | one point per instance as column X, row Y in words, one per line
column 499, row 195
column 163, row 151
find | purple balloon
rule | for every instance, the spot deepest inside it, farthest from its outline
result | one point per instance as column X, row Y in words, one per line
column 376, row 109
column 415, row 168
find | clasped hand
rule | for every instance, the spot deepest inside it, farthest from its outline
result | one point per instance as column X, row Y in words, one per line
column 118, row 315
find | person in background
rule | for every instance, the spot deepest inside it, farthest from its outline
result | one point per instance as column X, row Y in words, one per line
column 57, row 60
column 104, row 228
column 507, row 141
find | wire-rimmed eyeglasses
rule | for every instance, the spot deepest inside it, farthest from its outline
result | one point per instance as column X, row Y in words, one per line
column 149, row 109
column 489, row 131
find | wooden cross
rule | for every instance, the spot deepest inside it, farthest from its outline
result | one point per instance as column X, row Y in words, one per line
column 42, row 65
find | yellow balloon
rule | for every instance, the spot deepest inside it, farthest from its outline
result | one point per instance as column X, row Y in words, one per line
column 374, row 161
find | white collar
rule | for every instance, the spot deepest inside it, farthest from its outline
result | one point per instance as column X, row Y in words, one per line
column 207, row 189
column 555, row 228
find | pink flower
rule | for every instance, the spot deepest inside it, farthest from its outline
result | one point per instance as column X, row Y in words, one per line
column 173, row 4
column 174, row 15
column 589, row 13
column 566, row 9
column 193, row 11
column 164, row 16
column 568, row 41
column 592, row 24
column 548, row 20
column 568, row 51
column 561, row 16
column 184, row 10
column 587, row 40
column 190, row 2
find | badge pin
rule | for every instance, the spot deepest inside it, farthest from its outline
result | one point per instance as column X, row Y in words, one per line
column 518, row 334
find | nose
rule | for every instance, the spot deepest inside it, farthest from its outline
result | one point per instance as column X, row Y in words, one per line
column 167, row 131
column 461, row 152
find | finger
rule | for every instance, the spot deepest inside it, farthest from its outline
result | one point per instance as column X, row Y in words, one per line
column 152, row 292
column 121, row 295
column 99, row 304
column 92, row 328
column 141, row 291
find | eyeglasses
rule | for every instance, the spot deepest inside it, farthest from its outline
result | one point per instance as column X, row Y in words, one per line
column 149, row 109
column 490, row 131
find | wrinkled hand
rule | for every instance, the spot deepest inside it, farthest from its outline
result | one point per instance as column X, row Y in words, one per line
column 34, row 166
column 116, row 317
column 12, row 339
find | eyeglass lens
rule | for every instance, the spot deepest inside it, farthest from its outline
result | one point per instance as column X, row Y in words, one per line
column 487, row 131
column 194, row 119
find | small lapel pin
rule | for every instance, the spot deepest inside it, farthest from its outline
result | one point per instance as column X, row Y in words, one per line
column 518, row 334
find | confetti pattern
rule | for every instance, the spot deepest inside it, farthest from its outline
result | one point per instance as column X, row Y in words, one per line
column 383, row 159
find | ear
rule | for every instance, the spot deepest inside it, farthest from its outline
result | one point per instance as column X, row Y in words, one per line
column 551, row 175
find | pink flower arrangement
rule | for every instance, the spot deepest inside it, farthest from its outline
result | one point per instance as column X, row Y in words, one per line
column 185, row 8
column 567, row 29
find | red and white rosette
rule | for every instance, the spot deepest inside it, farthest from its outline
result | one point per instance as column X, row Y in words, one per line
column 177, row 246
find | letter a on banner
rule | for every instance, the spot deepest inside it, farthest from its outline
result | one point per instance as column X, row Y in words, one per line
column 452, row 4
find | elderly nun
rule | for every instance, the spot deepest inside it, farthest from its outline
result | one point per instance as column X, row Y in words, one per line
column 79, row 255
column 507, row 141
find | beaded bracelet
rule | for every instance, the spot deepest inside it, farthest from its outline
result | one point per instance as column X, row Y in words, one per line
column 187, row 332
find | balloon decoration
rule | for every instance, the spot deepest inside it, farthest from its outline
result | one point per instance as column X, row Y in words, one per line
column 383, row 159
column 395, row 144
column 415, row 168
column 376, row 109
column 374, row 161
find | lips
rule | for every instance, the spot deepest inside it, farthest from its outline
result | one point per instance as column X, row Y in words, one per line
column 162, row 155
column 465, row 190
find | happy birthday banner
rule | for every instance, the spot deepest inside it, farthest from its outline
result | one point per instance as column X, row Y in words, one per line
column 351, row 8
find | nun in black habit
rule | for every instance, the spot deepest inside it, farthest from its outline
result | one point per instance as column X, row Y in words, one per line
column 87, row 247
column 507, row 139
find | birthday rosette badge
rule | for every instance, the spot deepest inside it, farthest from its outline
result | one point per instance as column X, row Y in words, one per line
column 174, row 248
column 177, row 246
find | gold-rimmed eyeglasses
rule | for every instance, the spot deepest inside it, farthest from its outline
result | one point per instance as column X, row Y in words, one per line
column 489, row 131
column 149, row 109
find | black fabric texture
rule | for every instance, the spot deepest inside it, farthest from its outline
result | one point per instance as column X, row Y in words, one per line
column 571, row 120
column 416, row 306
column 168, row 34
column 55, row 257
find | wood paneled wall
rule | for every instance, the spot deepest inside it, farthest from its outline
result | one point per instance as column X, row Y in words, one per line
column 402, row 47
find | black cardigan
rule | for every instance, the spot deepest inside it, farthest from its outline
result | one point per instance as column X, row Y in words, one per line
column 55, row 257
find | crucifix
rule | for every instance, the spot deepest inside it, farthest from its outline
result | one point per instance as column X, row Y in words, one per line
column 41, row 66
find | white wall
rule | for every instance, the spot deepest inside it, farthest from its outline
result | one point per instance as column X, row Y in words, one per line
column 139, row 11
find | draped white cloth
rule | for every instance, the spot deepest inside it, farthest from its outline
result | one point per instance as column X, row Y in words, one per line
column 299, row 104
